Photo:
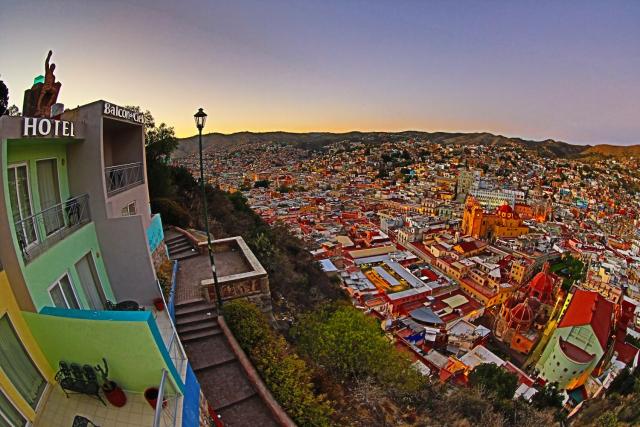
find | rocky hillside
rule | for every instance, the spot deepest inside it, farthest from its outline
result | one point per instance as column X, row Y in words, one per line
column 314, row 140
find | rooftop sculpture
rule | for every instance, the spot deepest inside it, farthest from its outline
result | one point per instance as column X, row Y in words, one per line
column 42, row 95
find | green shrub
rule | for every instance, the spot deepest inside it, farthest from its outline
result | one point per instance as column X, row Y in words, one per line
column 352, row 346
column 285, row 374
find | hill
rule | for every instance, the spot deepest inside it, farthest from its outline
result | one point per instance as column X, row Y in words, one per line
column 314, row 140
column 613, row 150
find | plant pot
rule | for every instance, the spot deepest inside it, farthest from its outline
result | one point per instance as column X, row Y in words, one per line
column 151, row 396
column 159, row 304
column 114, row 394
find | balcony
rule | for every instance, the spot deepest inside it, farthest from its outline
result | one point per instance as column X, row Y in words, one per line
column 123, row 177
column 44, row 229
column 142, row 350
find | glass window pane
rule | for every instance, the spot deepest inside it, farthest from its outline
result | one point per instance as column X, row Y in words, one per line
column 57, row 297
column 9, row 415
column 49, row 191
column 91, row 282
column 65, row 283
column 17, row 365
column 21, row 204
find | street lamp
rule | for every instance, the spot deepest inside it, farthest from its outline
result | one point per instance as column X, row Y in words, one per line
column 201, row 118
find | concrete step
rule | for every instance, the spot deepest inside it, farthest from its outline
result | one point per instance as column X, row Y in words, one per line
column 178, row 247
column 189, row 337
column 207, row 324
column 247, row 412
column 194, row 318
column 183, row 310
column 238, row 401
column 174, row 239
column 190, row 302
column 210, row 352
column 184, row 255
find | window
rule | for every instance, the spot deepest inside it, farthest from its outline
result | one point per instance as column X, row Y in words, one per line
column 20, row 199
column 129, row 210
column 90, row 282
column 9, row 415
column 18, row 366
column 49, row 191
column 62, row 293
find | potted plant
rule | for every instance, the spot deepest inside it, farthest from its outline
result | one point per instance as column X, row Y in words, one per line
column 114, row 394
column 151, row 395
column 159, row 304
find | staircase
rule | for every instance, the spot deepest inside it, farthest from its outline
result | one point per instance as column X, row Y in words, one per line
column 219, row 372
column 180, row 247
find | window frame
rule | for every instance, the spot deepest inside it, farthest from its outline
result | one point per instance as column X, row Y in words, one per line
column 31, row 204
column 127, row 207
column 45, row 392
column 58, row 164
column 101, row 290
column 64, row 296
column 24, row 417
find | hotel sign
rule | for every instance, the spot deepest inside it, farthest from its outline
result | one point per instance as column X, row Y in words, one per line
column 123, row 113
column 33, row 126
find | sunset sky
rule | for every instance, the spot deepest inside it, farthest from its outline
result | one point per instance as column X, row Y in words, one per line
column 568, row 70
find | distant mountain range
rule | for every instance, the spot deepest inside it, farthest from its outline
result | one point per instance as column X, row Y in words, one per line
column 314, row 140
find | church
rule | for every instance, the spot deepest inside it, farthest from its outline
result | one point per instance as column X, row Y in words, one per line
column 524, row 315
column 503, row 223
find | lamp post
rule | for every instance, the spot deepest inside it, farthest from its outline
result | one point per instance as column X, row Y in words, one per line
column 200, row 118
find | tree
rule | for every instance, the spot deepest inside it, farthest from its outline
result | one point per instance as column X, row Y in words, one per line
column 548, row 397
column 160, row 142
column 4, row 98
column 494, row 379
column 262, row 183
column 352, row 346
column 13, row 110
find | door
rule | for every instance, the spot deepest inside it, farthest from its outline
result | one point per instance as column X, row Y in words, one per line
column 18, row 366
column 20, row 199
column 90, row 281
column 49, row 192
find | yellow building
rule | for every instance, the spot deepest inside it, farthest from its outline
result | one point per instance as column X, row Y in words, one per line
column 504, row 222
column 25, row 375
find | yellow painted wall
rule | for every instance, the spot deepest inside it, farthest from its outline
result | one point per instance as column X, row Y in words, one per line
column 9, row 306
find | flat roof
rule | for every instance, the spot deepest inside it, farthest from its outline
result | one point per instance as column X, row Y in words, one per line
column 392, row 281
column 381, row 250
column 455, row 301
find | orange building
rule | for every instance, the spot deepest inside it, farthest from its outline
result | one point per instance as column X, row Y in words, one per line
column 504, row 222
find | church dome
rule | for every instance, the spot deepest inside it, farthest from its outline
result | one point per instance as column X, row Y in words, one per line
column 505, row 208
column 521, row 315
column 541, row 286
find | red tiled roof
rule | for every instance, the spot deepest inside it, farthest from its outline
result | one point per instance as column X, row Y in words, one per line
column 574, row 352
column 626, row 352
column 590, row 308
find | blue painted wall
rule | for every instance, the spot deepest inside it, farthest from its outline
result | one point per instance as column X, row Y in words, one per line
column 191, row 403
column 155, row 234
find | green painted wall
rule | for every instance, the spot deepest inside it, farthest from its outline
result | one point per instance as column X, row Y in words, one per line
column 134, row 358
column 553, row 362
column 60, row 258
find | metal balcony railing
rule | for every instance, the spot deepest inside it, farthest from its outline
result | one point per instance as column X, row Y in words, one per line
column 122, row 177
column 172, row 343
column 42, row 230
column 166, row 411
